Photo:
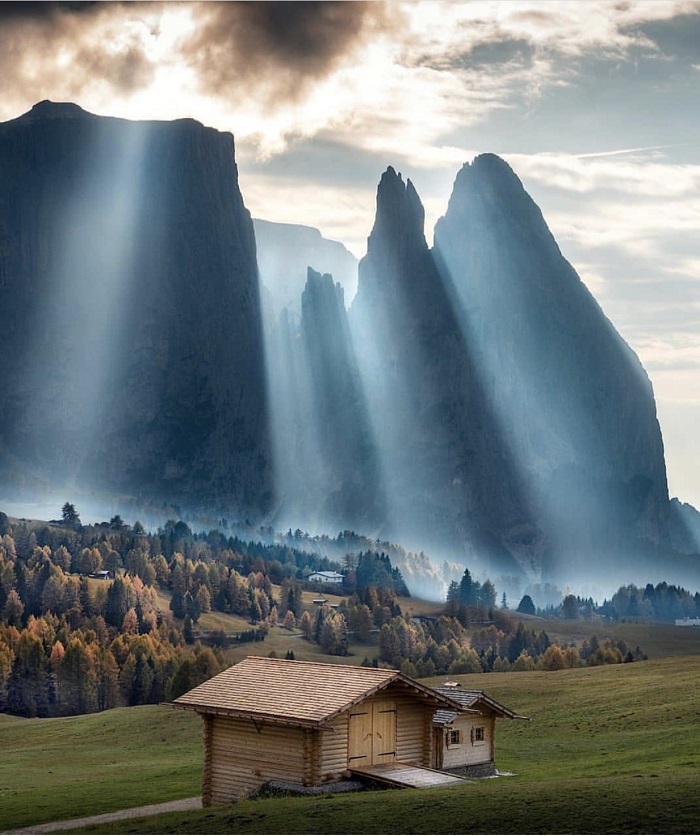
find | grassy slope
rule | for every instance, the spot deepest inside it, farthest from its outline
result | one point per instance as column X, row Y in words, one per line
column 608, row 750
column 75, row 766
column 657, row 640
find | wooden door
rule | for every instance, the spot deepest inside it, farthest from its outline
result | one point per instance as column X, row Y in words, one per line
column 360, row 736
column 383, row 732
column 372, row 734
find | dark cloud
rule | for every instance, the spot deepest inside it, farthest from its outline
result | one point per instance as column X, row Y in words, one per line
column 275, row 48
column 32, row 35
column 48, row 10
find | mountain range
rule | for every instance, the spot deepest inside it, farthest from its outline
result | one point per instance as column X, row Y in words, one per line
column 473, row 399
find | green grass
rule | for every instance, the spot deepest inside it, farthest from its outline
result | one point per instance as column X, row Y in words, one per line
column 500, row 806
column 611, row 749
column 77, row 766
column 658, row 640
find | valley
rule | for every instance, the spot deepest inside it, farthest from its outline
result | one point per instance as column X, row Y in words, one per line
column 585, row 762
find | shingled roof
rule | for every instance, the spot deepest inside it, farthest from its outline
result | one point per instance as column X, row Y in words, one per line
column 471, row 702
column 297, row 693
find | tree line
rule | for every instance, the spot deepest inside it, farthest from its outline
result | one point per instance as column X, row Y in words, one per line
column 71, row 644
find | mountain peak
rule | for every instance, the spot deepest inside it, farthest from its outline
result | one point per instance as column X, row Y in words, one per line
column 47, row 109
column 400, row 212
column 488, row 191
column 490, row 173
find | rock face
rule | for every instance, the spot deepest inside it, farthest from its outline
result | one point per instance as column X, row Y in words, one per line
column 351, row 490
column 515, row 419
column 685, row 527
column 424, row 394
column 132, row 356
column 573, row 401
column 473, row 399
column 285, row 251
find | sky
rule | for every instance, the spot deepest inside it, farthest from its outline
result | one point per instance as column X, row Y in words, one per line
column 595, row 105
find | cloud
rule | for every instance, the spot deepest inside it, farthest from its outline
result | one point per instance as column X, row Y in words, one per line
column 73, row 50
column 275, row 49
column 349, row 218
column 37, row 11
column 628, row 204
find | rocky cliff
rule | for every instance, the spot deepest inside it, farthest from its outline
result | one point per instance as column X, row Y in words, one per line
column 685, row 527
column 516, row 420
column 285, row 251
column 572, row 399
column 474, row 399
column 132, row 356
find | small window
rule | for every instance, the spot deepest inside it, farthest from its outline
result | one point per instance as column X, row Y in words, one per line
column 454, row 737
column 479, row 734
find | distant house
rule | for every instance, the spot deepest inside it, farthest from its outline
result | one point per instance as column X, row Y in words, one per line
column 688, row 622
column 325, row 577
column 309, row 723
column 465, row 740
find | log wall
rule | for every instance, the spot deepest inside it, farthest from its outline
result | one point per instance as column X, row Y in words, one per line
column 240, row 757
column 469, row 751
column 334, row 749
column 413, row 732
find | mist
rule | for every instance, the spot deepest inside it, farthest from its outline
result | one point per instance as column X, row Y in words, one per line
column 470, row 402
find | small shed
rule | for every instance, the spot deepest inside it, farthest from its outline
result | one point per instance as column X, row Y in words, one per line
column 308, row 723
column 465, row 740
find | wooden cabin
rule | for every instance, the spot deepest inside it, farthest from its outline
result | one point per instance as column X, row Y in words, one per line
column 309, row 723
column 465, row 740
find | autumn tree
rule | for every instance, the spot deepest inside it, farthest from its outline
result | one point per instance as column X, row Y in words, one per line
column 7, row 657
column 333, row 637
column 77, row 677
column 28, row 683
column 553, row 659
column 14, row 609
column 360, row 622
column 106, row 679
column 306, row 625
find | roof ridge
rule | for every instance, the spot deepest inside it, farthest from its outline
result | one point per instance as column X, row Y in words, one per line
column 272, row 660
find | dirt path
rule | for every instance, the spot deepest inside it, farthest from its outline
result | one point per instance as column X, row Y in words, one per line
column 132, row 812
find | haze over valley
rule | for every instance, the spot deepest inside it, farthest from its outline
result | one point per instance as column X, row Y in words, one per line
column 440, row 291
column 472, row 400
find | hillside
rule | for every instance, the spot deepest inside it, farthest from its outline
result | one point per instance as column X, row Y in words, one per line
column 58, row 768
column 585, row 763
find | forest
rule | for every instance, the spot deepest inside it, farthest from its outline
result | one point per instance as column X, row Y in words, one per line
column 83, row 626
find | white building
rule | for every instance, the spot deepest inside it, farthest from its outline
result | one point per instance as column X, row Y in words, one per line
column 325, row 577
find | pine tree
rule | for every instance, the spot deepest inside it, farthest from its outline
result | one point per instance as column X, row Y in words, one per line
column 465, row 588
column 69, row 515
column 117, row 604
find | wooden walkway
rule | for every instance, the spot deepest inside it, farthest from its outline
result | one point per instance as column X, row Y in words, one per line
column 404, row 775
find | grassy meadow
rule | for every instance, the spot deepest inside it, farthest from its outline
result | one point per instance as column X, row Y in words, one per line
column 656, row 639
column 61, row 768
column 612, row 749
